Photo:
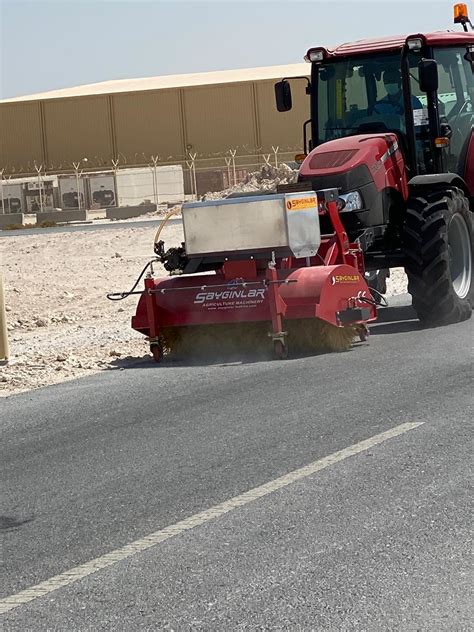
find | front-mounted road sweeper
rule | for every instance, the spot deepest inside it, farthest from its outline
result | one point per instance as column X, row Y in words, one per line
column 256, row 271
column 386, row 180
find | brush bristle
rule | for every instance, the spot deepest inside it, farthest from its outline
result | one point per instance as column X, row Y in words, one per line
column 304, row 336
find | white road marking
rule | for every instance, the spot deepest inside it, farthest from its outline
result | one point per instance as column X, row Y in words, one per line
column 109, row 559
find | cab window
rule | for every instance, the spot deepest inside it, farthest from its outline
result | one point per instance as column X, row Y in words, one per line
column 456, row 98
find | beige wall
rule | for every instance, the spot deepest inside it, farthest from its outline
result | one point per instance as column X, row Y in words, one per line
column 148, row 123
column 284, row 129
column 207, row 120
column 218, row 118
column 20, row 136
column 77, row 128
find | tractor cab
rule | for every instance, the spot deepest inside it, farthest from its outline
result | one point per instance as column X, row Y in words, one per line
column 425, row 96
column 420, row 87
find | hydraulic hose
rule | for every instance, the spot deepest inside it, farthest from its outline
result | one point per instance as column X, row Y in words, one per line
column 119, row 296
column 164, row 221
column 383, row 301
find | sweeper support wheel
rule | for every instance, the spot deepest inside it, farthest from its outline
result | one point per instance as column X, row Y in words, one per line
column 157, row 352
column 280, row 350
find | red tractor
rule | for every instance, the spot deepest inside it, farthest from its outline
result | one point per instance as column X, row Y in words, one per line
column 387, row 180
column 392, row 129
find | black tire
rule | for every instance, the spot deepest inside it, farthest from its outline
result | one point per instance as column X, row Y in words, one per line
column 437, row 298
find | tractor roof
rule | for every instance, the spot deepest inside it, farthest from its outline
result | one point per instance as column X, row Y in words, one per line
column 396, row 42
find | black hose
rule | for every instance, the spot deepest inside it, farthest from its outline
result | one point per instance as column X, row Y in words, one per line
column 119, row 296
column 383, row 301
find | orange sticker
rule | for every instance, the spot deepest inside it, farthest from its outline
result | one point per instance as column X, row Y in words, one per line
column 298, row 204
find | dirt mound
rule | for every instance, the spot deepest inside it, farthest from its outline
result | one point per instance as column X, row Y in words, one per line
column 266, row 179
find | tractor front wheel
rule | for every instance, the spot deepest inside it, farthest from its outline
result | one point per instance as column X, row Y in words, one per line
column 438, row 247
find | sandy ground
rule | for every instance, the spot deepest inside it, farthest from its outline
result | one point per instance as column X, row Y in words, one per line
column 61, row 325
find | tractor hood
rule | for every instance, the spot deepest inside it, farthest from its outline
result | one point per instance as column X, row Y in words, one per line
column 337, row 157
column 370, row 165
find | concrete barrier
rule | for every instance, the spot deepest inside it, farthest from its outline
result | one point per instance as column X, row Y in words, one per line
column 124, row 212
column 11, row 218
column 61, row 216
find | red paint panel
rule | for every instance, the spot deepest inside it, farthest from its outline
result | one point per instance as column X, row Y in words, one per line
column 373, row 150
column 314, row 291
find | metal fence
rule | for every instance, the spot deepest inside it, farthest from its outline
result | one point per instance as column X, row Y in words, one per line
column 38, row 187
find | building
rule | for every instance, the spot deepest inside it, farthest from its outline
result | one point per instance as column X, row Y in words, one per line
column 172, row 117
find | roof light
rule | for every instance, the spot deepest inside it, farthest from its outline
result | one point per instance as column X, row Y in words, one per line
column 415, row 44
column 460, row 13
column 315, row 54
column 299, row 158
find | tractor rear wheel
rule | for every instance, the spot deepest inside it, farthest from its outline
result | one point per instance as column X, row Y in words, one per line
column 438, row 247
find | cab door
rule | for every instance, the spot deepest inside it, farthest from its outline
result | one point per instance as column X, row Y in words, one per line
column 456, row 104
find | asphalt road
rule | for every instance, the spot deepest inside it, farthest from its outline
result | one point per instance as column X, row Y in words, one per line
column 93, row 225
column 380, row 540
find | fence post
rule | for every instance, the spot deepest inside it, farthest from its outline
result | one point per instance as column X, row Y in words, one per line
column 38, row 171
column 77, row 166
column 275, row 152
column 232, row 153
column 150, row 167
column 192, row 173
column 1, row 190
column 8, row 196
column 227, row 162
column 115, row 163
column 155, row 180
column 4, row 351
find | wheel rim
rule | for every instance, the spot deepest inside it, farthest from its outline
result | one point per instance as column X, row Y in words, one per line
column 460, row 258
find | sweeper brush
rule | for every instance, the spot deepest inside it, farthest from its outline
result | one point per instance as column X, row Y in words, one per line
column 310, row 335
column 254, row 275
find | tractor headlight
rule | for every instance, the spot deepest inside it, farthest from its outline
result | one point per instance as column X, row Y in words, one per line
column 352, row 201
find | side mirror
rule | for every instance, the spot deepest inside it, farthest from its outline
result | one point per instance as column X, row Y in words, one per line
column 283, row 98
column 428, row 75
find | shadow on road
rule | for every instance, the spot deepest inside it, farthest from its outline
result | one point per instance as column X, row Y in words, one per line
column 391, row 320
column 214, row 358
column 396, row 320
column 147, row 362
column 12, row 522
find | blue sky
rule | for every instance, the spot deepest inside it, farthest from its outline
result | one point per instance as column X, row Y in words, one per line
column 47, row 44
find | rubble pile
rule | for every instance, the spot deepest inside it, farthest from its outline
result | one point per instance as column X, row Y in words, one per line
column 266, row 179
